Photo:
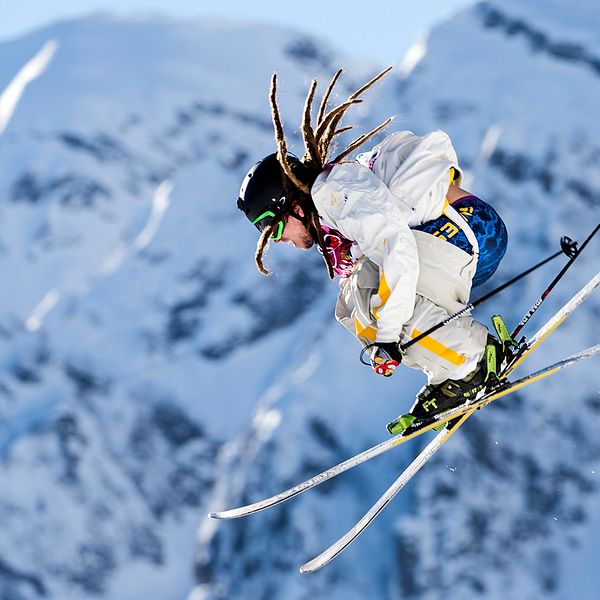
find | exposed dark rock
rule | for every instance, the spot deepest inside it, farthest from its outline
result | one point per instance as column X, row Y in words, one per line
column 563, row 50
column 584, row 191
column 478, row 521
column 518, row 167
column 146, row 544
column 473, row 582
column 548, row 570
column 235, row 160
column 191, row 115
column 179, row 456
column 481, row 447
column 102, row 147
column 25, row 373
column 449, row 110
column 593, row 404
column 70, row 440
column 443, row 490
column 540, row 492
column 175, row 426
column 409, row 564
column 187, row 485
column 272, row 308
column 325, row 434
column 185, row 315
column 12, row 579
column 74, row 191
column 84, row 380
column 307, row 52
column 93, row 566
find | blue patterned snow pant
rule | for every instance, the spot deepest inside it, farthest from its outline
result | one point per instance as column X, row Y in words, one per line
column 488, row 227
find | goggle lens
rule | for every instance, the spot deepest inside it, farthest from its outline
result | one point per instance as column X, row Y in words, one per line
column 265, row 220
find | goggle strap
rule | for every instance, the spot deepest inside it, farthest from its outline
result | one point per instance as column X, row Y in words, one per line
column 280, row 227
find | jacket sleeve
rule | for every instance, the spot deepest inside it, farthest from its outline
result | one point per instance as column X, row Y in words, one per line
column 362, row 208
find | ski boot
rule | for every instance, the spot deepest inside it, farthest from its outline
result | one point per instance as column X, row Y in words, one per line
column 433, row 400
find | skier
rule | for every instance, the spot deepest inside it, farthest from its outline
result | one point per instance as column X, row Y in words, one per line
column 406, row 241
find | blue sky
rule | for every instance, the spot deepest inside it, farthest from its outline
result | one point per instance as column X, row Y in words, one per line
column 380, row 31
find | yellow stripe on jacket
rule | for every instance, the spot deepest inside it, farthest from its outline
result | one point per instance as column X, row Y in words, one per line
column 439, row 349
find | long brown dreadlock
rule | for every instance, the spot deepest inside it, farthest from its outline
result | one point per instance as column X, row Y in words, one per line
column 317, row 143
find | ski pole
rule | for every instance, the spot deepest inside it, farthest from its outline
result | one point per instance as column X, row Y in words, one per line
column 568, row 247
column 547, row 291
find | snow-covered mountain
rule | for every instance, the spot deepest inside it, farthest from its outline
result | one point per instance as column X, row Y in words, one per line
column 149, row 374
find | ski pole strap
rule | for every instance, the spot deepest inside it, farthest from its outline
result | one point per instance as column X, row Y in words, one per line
column 574, row 253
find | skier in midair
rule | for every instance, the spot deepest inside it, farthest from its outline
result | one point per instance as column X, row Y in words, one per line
column 407, row 242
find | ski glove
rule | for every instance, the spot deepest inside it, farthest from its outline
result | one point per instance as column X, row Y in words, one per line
column 385, row 357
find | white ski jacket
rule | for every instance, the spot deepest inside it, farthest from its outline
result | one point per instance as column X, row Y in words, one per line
column 374, row 202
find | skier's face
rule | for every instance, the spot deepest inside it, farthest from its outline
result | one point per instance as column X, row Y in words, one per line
column 295, row 233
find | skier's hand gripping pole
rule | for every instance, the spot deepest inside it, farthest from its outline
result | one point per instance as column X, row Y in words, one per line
column 385, row 357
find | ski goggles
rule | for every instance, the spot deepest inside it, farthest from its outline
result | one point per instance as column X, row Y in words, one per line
column 266, row 219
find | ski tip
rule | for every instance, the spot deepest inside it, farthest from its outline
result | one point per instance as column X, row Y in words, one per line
column 232, row 513
column 311, row 566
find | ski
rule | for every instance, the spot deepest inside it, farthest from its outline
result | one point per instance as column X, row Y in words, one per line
column 390, row 443
column 425, row 455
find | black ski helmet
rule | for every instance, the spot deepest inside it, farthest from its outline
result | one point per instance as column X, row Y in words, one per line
column 262, row 193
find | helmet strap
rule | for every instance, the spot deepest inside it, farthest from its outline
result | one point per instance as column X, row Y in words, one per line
column 306, row 222
column 303, row 220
